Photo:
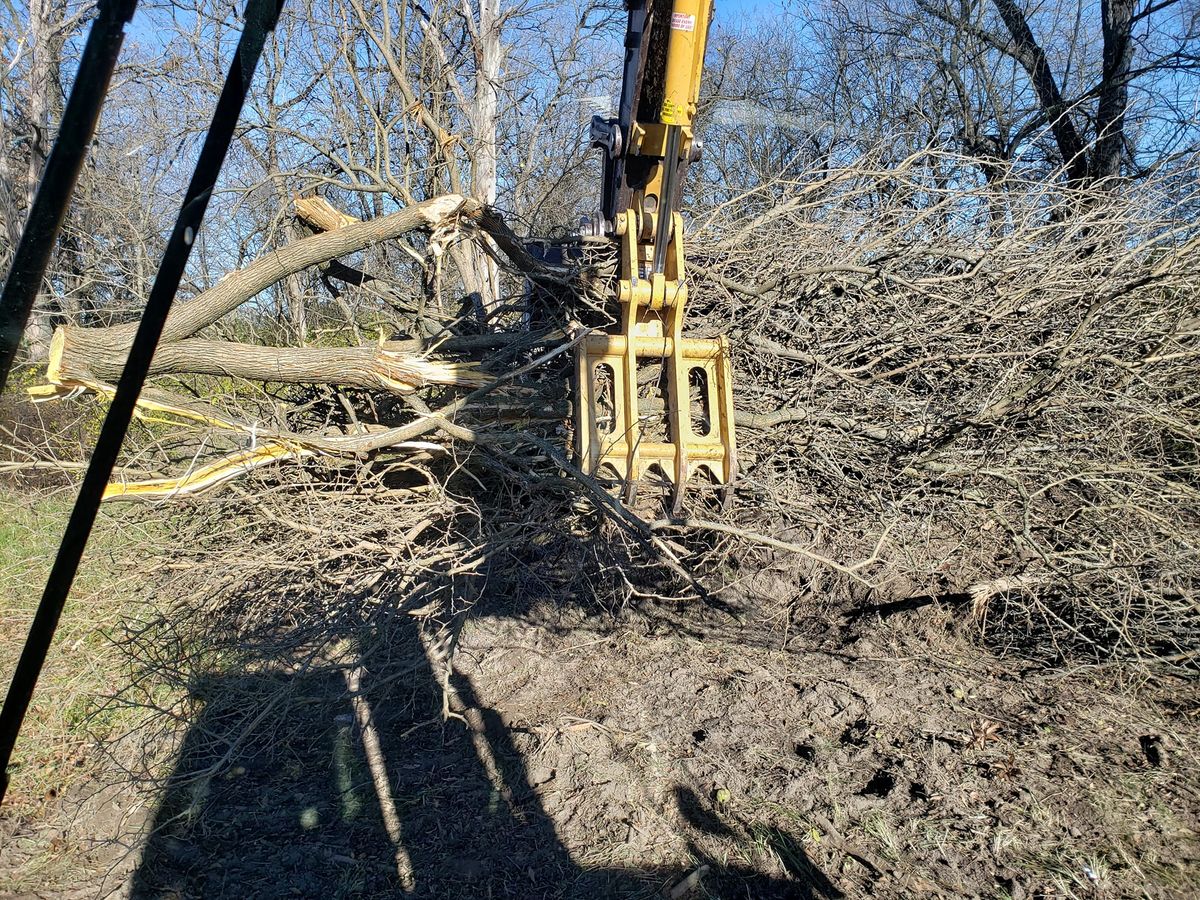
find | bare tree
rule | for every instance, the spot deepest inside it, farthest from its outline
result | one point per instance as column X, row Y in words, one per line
column 1084, row 100
column 30, row 106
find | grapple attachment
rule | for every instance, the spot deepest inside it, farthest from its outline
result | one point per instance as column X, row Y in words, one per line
column 612, row 428
column 689, row 387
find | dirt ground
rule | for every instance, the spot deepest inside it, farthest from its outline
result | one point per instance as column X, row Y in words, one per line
column 587, row 756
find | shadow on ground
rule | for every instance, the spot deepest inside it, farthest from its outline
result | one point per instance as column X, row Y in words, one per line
column 350, row 783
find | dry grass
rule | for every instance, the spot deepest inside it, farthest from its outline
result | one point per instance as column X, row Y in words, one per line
column 57, row 749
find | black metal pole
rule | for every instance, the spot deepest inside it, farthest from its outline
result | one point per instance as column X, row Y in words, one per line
column 261, row 16
column 62, row 171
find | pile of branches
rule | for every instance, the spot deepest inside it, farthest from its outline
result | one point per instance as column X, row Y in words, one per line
column 979, row 393
column 984, row 394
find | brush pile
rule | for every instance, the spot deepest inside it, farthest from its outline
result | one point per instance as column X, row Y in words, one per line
column 979, row 394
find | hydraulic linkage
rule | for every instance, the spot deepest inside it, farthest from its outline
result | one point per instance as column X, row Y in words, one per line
column 647, row 149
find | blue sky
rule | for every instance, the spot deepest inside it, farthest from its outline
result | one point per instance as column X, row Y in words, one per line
column 728, row 8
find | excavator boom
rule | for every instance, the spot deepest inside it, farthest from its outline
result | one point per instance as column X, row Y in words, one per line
column 647, row 148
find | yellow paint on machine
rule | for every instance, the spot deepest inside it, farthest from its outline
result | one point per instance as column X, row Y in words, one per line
column 685, row 60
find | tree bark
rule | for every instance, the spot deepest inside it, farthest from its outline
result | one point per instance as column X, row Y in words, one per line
column 83, row 355
column 46, row 38
column 1029, row 53
column 489, row 56
column 1114, row 87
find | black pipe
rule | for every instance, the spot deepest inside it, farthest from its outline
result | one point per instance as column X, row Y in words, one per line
column 66, row 158
column 614, row 167
column 666, row 202
column 261, row 16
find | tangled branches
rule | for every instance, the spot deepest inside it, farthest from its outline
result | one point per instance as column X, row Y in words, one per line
column 988, row 390
column 980, row 394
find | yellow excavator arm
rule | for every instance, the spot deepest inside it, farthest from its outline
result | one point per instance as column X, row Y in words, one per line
column 647, row 150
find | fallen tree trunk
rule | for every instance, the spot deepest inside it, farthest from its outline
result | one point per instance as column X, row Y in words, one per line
column 79, row 356
column 87, row 356
column 93, row 354
column 92, row 359
column 236, row 288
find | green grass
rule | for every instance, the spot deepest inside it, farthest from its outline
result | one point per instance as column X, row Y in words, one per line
column 57, row 744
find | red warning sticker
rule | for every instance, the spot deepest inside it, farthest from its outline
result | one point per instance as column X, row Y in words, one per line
column 683, row 22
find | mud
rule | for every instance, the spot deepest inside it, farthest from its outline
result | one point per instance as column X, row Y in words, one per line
column 587, row 757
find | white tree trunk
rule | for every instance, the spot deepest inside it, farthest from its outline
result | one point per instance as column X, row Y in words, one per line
column 42, row 109
column 489, row 59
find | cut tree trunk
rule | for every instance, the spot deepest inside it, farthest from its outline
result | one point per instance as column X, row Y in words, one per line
column 82, row 355
column 93, row 358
